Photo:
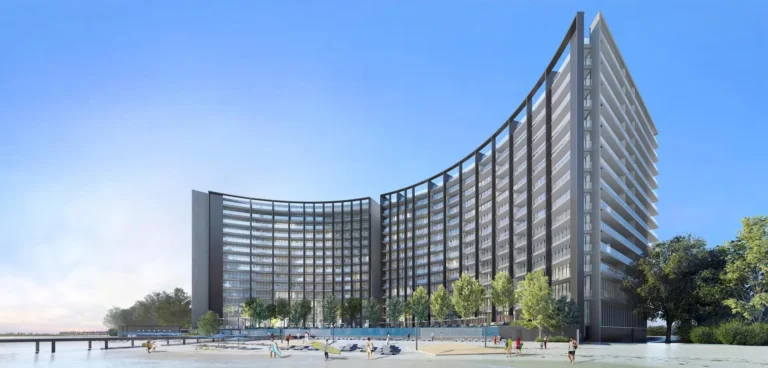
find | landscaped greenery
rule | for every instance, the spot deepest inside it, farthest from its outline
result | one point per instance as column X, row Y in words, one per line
column 440, row 304
column 554, row 339
column 161, row 308
column 715, row 295
column 208, row 324
column 467, row 295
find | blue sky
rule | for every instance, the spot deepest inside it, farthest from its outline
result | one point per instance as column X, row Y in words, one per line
column 111, row 114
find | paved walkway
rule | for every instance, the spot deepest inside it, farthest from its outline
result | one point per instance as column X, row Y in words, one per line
column 459, row 348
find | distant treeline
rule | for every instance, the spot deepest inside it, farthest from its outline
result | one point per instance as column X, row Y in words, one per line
column 161, row 309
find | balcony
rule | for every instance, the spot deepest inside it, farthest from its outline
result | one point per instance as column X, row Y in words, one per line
column 613, row 253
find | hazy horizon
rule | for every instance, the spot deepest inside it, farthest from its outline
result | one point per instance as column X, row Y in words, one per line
column 113, row 113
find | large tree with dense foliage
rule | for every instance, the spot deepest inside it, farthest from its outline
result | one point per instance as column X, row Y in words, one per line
column 350, row 310
column 295, row 315
column 536, row 300
column 256, row 310
column 330, row 310
column 747, row 270
column 283, row 309
column 565, row 315
column 395, row 309
column 440, row 304
column 174, row 308
column 467, row 296
column 208, row 324
column 372, row 312
column 420, row 304
column 157, row 308
column 305, row 309
column 663, row 284
column 503, row 292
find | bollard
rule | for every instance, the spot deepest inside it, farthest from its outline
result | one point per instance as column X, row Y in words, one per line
column 132, row 341
column 53, row 346
column 89, row 344
column 106, row 344
column 37, row 347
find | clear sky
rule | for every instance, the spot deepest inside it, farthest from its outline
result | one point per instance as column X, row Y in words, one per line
column 111, row 114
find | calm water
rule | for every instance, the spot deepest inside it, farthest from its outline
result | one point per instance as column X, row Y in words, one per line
column 75, row 354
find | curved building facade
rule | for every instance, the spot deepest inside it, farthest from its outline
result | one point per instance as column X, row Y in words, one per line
column 270, row 250
column 566, row 185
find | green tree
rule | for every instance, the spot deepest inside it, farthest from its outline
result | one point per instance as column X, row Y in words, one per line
column 305, row 309
column 351, row 310
column 467, row 296
column 372, row 312
column 209, row 324
column 440, row 304
column 174, row 308
column 420, row 304
column 271, row 310
column 565, row 315
column 712, row 289
column 330, row 310
column 283, row 309
column 747, row 270
column 295, row 315
column 113, row 318
column 256, row 310
column 536, row 300
column 503, row 292
column 395, row 309
column 112, row 332
column 663, row 283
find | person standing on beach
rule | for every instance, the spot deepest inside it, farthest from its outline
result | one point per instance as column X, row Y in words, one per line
column 387, row 338
column 519, row 347
column 432, row 337
column 149, row 346
column 306, row 338
column 545, row 341
column 288, row 340
column 369, row 348
column 272, row 348
column 508, row 347
column 409, row 336
column 325, row 351
column 572, row 346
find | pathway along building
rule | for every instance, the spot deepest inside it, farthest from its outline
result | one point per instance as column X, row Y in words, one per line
column 566, row 185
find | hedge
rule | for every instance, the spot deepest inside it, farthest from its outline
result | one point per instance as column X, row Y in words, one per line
column 704, row 335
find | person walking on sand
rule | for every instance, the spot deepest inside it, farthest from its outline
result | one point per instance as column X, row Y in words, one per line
column 306, row 338
column 519, row 347
column 495, row 340
column 387, row 338
column 572, row 346
column 149, row 346
column 508, row 346
column 546, row 337
column 325, row 351
column 432, row 337
column 288, row 340
column 272, row 348
column 369, row 348
column 409, row 336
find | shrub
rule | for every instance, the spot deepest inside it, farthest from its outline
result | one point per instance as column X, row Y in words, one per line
column 683, row 330
column 733, row 332
column 657, row 331
column 554, row 339
column 757, row 334
column 704, row 335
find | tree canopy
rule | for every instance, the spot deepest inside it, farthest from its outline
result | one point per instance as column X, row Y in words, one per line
column 467, row 295
column 503, row 292
column 420, row 304
column 536, row 300
column 747, row 270
column 372, row 311
column 330, row 310
column 663, row 285
column 157, row 308
column 209, row 324
column 440, row 304
column 395, row 309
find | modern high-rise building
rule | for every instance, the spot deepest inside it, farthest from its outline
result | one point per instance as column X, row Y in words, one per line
column 246, row 248
column 566, row 185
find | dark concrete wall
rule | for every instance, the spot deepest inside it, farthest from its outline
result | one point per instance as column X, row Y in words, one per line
column 215, row 254
column 200, row 239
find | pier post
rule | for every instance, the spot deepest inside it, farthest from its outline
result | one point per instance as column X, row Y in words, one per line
column 167, row 341
column 132, row 341
column 37, row 347
column 106, row 344
column 89, row 344
column 53, row 346
column 183, row 341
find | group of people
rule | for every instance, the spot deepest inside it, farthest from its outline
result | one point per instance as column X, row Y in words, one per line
column 517, row 345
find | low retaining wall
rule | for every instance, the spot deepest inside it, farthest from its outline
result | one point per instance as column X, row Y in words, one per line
column 424, row 333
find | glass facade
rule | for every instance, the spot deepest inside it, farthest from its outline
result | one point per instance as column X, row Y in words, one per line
column 294, row 251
